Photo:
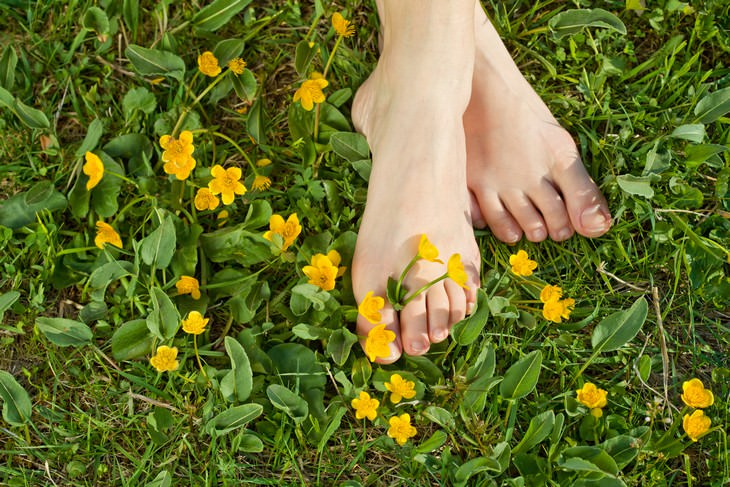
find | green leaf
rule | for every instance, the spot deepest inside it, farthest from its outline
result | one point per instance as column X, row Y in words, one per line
column 6, row 98
column 436, row 441
column 258, row 215
column 694, row 132
column 104, row 197
column 622, row 448
column 96, row 19
column 303, row 56
column 17, row 408
column 350, row 146
column 157, row 248
column 241, row 368
column 154, row 61
column 521, row 378
column 138, row 99
column 304, row 295
column 235, row 244
column 713, row 106
column 30, row 116
column 228, row 49
column 217, row 14
column 440, row 416
column 470, row 328
column 475, row 396
column 102, row 276
column 8, row 62
column 93, row 134
column 233, row 418
column 297, row 366
column 540, row 428
column 292, row 404
column 6, row 301
column 245, row 85
column 484, row 365
column 130, row 12
column 572, row 21
column 311, row 332
column 132, row 340
column 250, row 443
column 255, row 122
column 64, row 332
column 163, row 479
column 617, row 329
column 474, row 466
column 332, row 427
column 164, row 313
column 637, row 185
column 361, row 372
column 339, row 345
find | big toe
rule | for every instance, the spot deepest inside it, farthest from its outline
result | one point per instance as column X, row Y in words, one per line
column 390, row 319
column 586, row 205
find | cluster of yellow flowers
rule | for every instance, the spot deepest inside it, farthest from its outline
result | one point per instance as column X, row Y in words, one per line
column 283, row 233
column 400, row 428
column 554, row 308
column 591, row 396
column 165, row 358
column 696, row 396
column 324, row 270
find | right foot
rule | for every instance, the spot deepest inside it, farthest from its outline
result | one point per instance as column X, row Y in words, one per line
column 412, row 119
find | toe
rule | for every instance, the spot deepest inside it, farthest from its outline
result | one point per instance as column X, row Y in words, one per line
column 586, row 205
column 457, row 302
column 390, row 317
column 526, row 215
column 500, row 222
column 414, row 326
column 552, row 208
column 437, row 305
column 477, row 219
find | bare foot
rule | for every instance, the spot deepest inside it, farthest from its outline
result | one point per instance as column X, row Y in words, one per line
column 523, row 169
column 412, row 118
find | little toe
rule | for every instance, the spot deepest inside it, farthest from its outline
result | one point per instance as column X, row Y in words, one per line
column 500, row 222
column 414, row 326
column 437, row 305
column 586, row 205
column 553, row 210
column 526, row 215
column 457, row 302
column 390, row 317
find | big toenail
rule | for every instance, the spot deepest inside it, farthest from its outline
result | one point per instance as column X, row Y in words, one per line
column 594, row 219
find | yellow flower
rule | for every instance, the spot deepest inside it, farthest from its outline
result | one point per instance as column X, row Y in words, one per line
column 455, row 270
column 696, row 424
column 365, row 407
column 165, row 359
column 288, row 231
column 237, row 65
column 261, row 183
column 552, row 311
column 591, row 396
column 695, row 395
column 400, row 428
column 323, row 270
column 226, row 182
column 370, row 308
column 188, row 285
column 342, row 26
column 195, row 323
column 551, row 293
column 521, row 264
column 400, row 388
column 567, row 305
column 177, row 154
column 427, row 250
column 93, row 168
column 377, row 344
column 208, row 64
column 263, row 162
column 205, row 200
column 106, row 234
column 311, row 91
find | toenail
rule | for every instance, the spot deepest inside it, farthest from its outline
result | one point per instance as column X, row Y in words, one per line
column 469, row 308
column 538, row 234
column 594, row 219
column 512, row 237
column 419, row 346
column 441, row 334
column 564, row 234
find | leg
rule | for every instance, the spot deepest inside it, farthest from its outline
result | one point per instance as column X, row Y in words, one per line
column 523, row 168
column 411, row 111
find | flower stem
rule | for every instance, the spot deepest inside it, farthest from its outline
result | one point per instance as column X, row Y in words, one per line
column 423, row 288
column 187, row 108
column 403, row 275
column 324, row 75
column 197, row 356
column 241, row 151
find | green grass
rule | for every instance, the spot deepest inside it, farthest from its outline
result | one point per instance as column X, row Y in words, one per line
column 101, row 417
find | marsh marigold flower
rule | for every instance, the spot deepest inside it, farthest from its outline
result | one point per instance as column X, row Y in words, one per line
column 591, row 396
column 556, row 310
column 400, row 428
column 237, row 65
column 324, row 270
column 696, row 424
column 695, row 395
column 165, row 359
column 427, row 250
column 261, row 183
column 288, row 230
column 551, row 293
column 377, row 344
column 365, row 406
column 206, row 200
column 208, row 64
column 456, row 272
column 188, row 285
column 93, row 168
column 311, row 91
column 370, row 308
column 178, row 154
column 400, row 388
column 195, row 323
column 226, row 182
column 521, row 264
column 342, row 26
column 106, row 234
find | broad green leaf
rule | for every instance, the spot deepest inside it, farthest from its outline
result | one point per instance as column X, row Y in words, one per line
column 228, row 49
column 311, row 332
column 64, row 332
column 245, row 85
column 17, row 408
column 96, row 19
column 6, row 98
column 130, row 12
column 440, row 416
column 521, row 378
column 233, row 418
column 6, row 301
column 637, row 185
column 713, row 106
column 303, row 56
column 292, row 404
column 163, row 479
column 157, row 248
column 617, row 329
column 436, row 441
column 241, row 368
column 154, row 61
column 235, row 244
column 697, row 154
column 30, row 116
column 104, row 197
column 579, row 465
column 304, row 295
column 484, row 365
column 138, row 99
column 475, row 396
column 297, row 366
column 105, row 275
column 595, row 455
column 93, row 134
column 694, row 132
column 599, row 482
column 258, row 214
column 470, row 328
column 256, row 121
column 474, row 466
column 540, row 428
column 339, row 345
column 132, row 340
column 361, row 372
column 164, row 320
column 250, row 443
column 350, row 146
column 573, row 21
column 8, row 62
column 217, row 14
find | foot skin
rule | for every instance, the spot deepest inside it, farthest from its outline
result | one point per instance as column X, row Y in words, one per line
column 524, row 171
column 417, row 186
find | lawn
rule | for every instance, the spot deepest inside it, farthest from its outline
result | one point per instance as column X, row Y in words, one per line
column 111, row 375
